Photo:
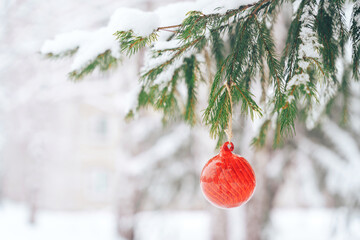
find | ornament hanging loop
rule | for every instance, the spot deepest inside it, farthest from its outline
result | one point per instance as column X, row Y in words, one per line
column 228, row 146
column 228, row 131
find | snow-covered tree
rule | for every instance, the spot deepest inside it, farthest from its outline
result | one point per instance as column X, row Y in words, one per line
column 225, row 43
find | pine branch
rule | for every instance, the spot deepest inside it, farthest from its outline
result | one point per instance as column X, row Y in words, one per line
column 153, row 73
column 243, row 49
column 324, row 24
column 292, row 43
column 259, row 141
column 218, row 79
column 345, row 92
column 190, row 80
column 248, row 104
column 68, row 53
column 355, row 36
column 273, row 63
column 167, row 101
column 131, row 44
column 103, row 62
column 218, row 47
column 287, row 118
column 340, row 23
column 217, row 112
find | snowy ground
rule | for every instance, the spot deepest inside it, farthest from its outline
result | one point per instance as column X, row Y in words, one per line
column 99, row 225
column 287, row 224
column 317, row 224
column 55, row 225
column 173, row 225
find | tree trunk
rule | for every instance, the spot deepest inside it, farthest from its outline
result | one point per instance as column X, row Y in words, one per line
column 257, row 207
column 32, row 215
column 258, row 210
column 219, row 223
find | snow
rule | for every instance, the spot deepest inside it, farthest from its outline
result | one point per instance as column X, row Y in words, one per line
column 161, row 45
column 95, row 225
column 65, row 42
column 140, row 22
column 303, row 64
column 90, row 45
column 295, row 6
column 317, row 223
column 357, row 20
column 93, row 43
column 309, row 48
column 298, row 79
column 286, row 223
column 357, row 17
column 100, row 41
column 174, row 14
column 291, row 98
column 173, row 225
column 223, row 5
column 55, row 225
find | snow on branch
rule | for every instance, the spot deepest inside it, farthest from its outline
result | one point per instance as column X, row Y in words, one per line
column 88, row 45
column 235, row 37
column 140, row 22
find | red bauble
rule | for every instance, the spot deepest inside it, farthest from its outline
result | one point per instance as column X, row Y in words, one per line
column 227, row 180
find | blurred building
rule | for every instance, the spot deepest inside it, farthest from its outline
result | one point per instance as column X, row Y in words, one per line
column 64, row 156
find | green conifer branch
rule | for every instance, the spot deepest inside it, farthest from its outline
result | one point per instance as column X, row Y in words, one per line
column 217, row 112
column 345, row 92
column 260, row 139
column 339, row 23
column 248, row 104
column 153, row 73
column 273, row 63
column 218, row 48
column 190, row 80
column 103, row 62
column 293, row 42
column 167, row 101
column 355, row 36
column 67, row 53
column 243, row 49
column 131, row 44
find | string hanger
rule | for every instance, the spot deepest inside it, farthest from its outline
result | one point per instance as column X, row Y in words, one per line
column 228, row 131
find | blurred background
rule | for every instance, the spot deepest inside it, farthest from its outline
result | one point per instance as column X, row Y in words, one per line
column 72, row 168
